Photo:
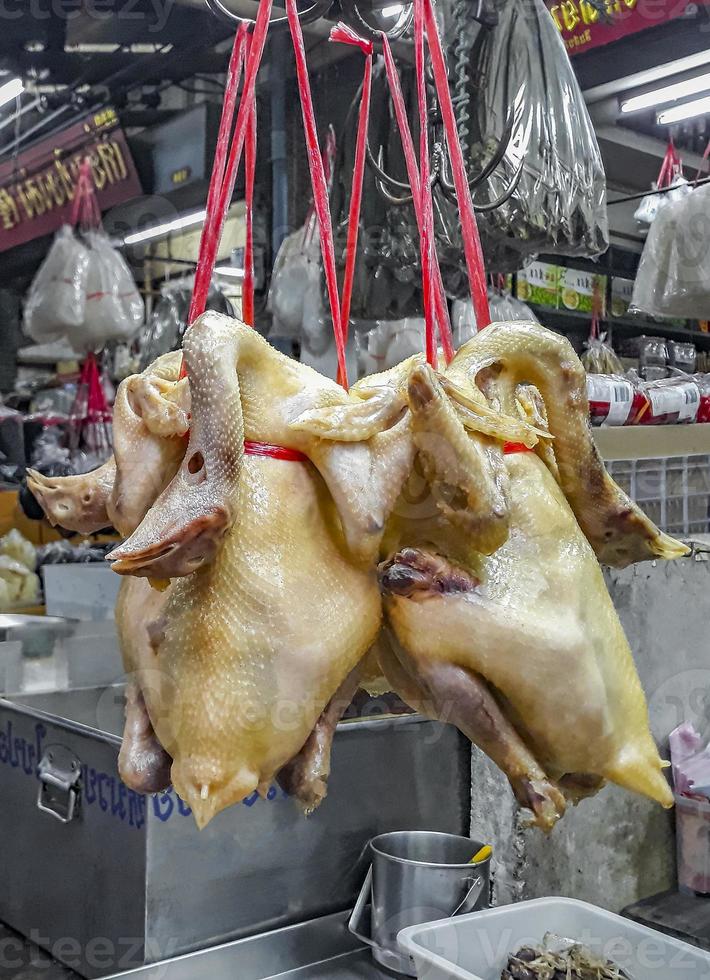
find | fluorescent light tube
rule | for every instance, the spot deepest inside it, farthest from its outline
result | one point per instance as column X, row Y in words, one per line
column 669, row 93
column 686, row 111
column 10, row 90
column 161, row 231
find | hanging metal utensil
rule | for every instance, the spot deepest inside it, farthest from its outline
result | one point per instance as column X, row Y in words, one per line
column 315, row 10
column 369, row 18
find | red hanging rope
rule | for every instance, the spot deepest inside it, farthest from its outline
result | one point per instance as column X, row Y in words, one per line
column 426, row 205
column 249, row 173
column 214, row 222
column 509, row 448
column 274, row 452
column 85, row 208
column 347, row 36
column 320, row 187
column 439, row 296
column 471, row 240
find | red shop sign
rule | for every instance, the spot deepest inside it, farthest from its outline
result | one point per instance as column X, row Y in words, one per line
column 583, row 27
column 37, row 188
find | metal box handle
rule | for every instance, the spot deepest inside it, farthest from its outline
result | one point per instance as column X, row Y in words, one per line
column 59, row 774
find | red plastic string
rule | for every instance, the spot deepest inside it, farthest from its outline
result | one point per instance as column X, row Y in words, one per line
column 427, row 206
column 203, row 272
column 469, row 228
column 320, row 186
column 442, row 312
column 205, row 257
column 345, row 35
column 249, row 173
column 214, row 222
column 516, row 447
column 273, row 452
column 85, row 209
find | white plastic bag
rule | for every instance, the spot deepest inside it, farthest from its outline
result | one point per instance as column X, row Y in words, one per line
column 389, row 343
column 503, row 307
column 56, row 299
column 114, row 308
column 295, row 281
column 674, row 273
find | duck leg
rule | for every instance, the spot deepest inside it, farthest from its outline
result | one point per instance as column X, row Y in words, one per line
column 459, row 696
column 143, row 764
column 305, row 777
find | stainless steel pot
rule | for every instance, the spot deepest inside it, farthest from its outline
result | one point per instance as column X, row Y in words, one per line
column 416, row 877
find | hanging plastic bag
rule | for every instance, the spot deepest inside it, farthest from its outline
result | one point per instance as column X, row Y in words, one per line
column 673, row 278
column 671, row 173
column 600, row 358
column 503, row 307
column 297, row 271
column 559, row 204
column 114, row 308
column 389, row 343
column 90, row 435
column 56, row 299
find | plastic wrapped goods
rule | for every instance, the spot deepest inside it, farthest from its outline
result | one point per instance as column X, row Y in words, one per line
column 114, row 308
column 599, row 358
column 56, row 300
column 559, row 205
column 674, row 273
column 84, row 292
column 295, row 296
column 503, row 307
column 613, row 399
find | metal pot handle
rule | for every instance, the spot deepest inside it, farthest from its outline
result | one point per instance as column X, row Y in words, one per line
column 470, row 898
column 355, row 921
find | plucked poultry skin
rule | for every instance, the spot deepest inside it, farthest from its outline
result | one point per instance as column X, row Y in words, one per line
column 245, row 665
column 503, row 356
column 522, row 649
column 241, row 387
column 252, row 647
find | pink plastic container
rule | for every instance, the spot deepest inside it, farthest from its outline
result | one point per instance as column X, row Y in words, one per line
column 692, row 821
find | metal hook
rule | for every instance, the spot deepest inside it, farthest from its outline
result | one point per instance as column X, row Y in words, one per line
column 505, row 196
column 448, row 185
column 319, row 8
column 383, row 181
column 353, row 17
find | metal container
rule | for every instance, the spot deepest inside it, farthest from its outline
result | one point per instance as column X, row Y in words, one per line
column 48, row 654
column 107, row 880
column 417, row 877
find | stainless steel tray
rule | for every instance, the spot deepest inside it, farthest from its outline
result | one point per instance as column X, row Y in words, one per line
column 322, row 949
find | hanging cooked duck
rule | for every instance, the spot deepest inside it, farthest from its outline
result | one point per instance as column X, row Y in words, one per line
column 217, row 657
column 522, row 648
column 274, row 600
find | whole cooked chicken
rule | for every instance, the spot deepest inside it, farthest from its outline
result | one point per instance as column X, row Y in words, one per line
column 242, row 667
column 522, row 648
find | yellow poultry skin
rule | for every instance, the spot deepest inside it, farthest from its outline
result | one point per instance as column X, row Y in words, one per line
column 522, row 648
column 242, row 680
column 246, row 660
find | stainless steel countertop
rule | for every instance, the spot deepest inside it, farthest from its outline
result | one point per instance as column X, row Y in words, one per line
column 322, row 949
